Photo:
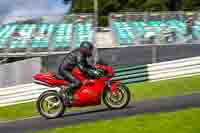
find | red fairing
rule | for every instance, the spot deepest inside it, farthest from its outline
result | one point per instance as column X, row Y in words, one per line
column 90, row 91
column 114, row 87
column 78, row 74
column 108, row 68
column 50, row 79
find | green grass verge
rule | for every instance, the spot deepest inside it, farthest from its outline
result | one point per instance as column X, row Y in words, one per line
column 185, row 121
column 140, row 91
column 18, row 111
column 173, row 87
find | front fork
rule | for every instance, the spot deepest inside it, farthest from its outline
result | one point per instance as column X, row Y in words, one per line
column 113, row 86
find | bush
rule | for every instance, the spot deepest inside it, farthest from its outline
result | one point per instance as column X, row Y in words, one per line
column 103, row 21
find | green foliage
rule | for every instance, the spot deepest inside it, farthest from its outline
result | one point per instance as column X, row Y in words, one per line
column 187, row 5
column 108, row 6
column 195, row 4
column 103, row 20
column 155, row 5
column 81, row 6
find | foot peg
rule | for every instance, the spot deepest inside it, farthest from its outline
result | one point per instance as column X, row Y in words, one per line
column 67, row 96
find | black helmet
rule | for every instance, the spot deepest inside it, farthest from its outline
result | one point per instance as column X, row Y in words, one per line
column 86, row 48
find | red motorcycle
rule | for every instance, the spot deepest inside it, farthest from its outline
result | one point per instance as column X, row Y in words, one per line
column 114, row 94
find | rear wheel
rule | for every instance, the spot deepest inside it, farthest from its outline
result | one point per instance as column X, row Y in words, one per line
column 118, row 101
column 50, row 105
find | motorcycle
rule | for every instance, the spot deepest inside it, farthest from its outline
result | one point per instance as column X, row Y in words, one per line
column 92, row 92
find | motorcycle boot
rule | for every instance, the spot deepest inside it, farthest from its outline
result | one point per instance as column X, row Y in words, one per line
column 67, row 94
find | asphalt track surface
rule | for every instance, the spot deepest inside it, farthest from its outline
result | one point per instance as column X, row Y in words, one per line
column 164, row 104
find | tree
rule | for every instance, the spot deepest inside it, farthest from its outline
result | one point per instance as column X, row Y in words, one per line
column 174, row 5
column 82, row 6
column 155, row 5
column 195, row 4
column 186, row 5
column 108, row 6
column 135, row 5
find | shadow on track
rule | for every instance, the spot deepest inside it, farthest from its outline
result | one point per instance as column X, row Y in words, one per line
column 85, row 112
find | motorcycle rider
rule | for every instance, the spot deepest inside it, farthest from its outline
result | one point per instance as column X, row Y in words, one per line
column 76, row 58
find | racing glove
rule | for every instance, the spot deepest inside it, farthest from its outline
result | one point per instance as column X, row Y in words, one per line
column 93, row 73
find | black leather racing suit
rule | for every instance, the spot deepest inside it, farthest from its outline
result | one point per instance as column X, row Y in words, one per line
column 71, row 60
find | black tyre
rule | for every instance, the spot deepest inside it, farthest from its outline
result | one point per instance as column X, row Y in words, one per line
column 54, row 104
column 117, row 102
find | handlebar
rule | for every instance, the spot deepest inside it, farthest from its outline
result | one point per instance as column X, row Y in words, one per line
column 105, row 70
column 101, row 72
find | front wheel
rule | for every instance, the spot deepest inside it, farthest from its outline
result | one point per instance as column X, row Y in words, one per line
column 50, row 105
column 118, row 101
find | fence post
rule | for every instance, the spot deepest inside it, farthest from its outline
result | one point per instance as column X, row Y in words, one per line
column 154, row 54
column 44, row 64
